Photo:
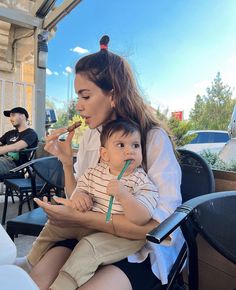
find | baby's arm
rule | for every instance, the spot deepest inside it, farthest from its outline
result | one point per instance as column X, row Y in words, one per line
column 80, row 197
column 134, row 210
column 81, row 200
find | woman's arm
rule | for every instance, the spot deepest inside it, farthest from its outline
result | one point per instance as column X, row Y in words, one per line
column 63, row 151
column 70, row 182
column 64, row 216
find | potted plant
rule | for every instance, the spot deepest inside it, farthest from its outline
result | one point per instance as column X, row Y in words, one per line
column 224, row 173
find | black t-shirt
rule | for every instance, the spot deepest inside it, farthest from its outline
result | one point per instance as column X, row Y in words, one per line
column 29, row 136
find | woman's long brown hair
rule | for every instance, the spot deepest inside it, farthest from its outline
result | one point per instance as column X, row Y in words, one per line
column 110, row 72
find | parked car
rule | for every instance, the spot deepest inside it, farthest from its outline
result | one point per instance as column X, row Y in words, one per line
column 212, row 140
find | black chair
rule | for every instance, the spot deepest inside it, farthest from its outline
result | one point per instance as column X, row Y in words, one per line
column 29, row 223
column 45, row 175
column 214, row 217
column 197, row 180
column 25, row 155
column 197, row 176
column 50, row 170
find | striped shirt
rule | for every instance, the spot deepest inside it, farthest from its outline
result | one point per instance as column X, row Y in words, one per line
column 96, row 179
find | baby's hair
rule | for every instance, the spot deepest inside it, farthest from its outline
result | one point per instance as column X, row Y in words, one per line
column 117, row 126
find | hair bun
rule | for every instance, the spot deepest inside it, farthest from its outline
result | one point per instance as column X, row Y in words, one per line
column 104, row 42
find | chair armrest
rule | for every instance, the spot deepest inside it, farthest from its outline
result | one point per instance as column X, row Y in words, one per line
column 27, row 164
column 29, row 149
column 22, row 166
column 181, row 214
column 163, row 230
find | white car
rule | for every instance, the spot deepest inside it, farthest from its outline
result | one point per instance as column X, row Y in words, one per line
column 212, row 140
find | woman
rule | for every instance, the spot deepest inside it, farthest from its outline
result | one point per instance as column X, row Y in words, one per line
column 107, row 90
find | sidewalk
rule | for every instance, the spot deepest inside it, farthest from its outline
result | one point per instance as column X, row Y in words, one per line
column 23, row 243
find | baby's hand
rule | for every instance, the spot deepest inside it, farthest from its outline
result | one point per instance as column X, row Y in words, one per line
column 81, row 201
column 117, row 189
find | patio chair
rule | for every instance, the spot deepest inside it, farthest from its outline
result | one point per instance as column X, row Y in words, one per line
column 25, row 155
column 50, row 170
column 42, row 175
column 197, row 180
column 213, row 216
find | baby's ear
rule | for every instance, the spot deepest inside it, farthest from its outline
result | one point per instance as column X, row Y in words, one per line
column 104, row 154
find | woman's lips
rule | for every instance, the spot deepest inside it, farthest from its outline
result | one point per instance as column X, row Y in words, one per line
column 87, row 120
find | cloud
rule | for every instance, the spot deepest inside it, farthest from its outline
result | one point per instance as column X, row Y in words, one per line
column 69, row 69
column 65, row 73
column 48, row 72
column 79, row 50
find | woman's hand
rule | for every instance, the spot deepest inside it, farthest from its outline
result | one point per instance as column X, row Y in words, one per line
column 61, row 149
column 60, row 215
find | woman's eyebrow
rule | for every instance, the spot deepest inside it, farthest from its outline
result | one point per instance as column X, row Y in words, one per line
column 81, row 91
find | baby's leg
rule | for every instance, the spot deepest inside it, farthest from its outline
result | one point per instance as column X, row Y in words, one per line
column 49, row 236
column 91, row 252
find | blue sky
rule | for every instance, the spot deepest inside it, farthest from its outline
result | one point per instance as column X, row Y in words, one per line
column 176, row 47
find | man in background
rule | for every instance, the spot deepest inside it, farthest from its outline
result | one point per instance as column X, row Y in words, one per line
column 13, row 141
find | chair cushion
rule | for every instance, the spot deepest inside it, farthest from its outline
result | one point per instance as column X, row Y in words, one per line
column 30, row 223
column 11, row 175
column 22, row 184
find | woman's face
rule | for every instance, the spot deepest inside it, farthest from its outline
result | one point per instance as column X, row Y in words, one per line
column 95, row 106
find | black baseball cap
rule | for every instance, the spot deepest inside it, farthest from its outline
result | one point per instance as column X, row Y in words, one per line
column 19, row 110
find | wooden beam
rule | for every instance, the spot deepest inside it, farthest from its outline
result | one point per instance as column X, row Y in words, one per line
column 38, row 4
column 60, row 12
column 19, row 18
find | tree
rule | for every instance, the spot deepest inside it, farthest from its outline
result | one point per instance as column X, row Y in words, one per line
column 179, row 129
column 214, row 110
column 162, row 116
column 63, row 117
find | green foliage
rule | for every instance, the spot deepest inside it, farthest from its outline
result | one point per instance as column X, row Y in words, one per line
column 213, row 111
column 215, row 162
column 162, row 116
column 63, row 118
column 179, row 129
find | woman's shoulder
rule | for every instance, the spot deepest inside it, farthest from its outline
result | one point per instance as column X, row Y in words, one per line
column 159, row 145
column 157, row 135
column 157, row 132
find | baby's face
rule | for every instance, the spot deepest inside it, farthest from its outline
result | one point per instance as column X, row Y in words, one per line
column 121, row 148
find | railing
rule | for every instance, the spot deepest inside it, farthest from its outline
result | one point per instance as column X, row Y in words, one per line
column 14, row 94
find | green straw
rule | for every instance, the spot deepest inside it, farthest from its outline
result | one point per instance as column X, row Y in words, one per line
column 108, row 215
